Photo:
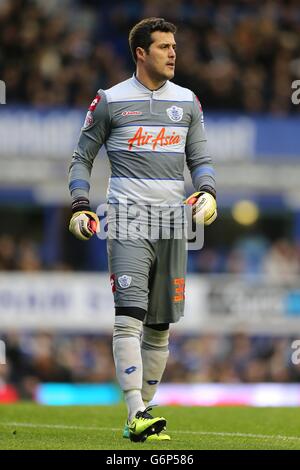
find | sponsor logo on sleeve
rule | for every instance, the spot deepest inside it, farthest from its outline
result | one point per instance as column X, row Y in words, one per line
column 94, row 103
column 89, row 119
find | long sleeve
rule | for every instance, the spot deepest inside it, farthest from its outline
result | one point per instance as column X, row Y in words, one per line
column 198, row 160
column 94, row 133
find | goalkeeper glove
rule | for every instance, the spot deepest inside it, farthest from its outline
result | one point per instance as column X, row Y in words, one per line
column 204, row 206
column 84, row 223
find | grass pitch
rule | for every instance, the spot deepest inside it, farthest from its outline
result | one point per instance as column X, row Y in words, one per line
column 31, row 426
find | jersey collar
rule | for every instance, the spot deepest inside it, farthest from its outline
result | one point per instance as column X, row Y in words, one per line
column 138, row 84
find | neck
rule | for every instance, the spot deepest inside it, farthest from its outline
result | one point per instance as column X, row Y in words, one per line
column 149, row 82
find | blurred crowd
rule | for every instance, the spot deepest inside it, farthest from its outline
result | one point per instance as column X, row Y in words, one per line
column 231, row 359
column 278, row 260
column 235, row 55
column 25, row 254
column 236, row 358
column 45, row 357
column 18, row 255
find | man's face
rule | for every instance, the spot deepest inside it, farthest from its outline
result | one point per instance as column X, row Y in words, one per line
column 160, row 60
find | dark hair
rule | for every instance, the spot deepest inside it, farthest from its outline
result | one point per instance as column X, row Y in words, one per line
column 140, row 34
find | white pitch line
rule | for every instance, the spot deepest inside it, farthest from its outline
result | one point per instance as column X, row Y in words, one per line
column 200, row 433
column 58, row 426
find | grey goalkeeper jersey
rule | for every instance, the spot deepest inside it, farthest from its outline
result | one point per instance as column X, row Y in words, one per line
column 148, row 136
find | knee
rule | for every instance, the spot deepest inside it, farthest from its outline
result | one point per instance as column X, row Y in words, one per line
column 154, row 338
column 126, row 326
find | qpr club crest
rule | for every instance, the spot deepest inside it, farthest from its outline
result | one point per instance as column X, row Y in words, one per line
column 124, row 281
column 175, row 113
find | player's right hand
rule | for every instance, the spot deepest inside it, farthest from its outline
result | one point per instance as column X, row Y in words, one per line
column 84, row 224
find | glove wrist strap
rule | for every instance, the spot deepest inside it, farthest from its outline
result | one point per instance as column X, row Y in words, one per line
column 81, row 204
column 208, row 189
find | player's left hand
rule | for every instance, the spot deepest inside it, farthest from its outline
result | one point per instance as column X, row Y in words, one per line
column 204, row 207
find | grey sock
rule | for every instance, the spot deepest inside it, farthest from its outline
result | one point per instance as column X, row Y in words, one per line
column 154, row 356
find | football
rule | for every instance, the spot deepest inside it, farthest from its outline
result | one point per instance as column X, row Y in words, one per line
column 204, row 208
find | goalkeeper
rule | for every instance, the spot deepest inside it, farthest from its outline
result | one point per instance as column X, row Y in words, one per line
column 150, row 127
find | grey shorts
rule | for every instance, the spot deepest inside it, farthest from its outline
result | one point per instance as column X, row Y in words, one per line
column 149, row 274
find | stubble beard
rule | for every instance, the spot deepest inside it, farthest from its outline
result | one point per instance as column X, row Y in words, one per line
column 164, row 76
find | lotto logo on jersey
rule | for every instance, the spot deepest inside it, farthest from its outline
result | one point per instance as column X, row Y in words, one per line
column 132, row 113
column 163, row 138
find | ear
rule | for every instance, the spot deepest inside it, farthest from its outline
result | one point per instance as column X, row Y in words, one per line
column 140, row 53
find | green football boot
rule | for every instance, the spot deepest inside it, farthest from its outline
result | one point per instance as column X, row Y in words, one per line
column 153, row 437
column 144, row 425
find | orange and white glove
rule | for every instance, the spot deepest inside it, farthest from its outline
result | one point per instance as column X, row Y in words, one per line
column 84, row 223
column 204, row 208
